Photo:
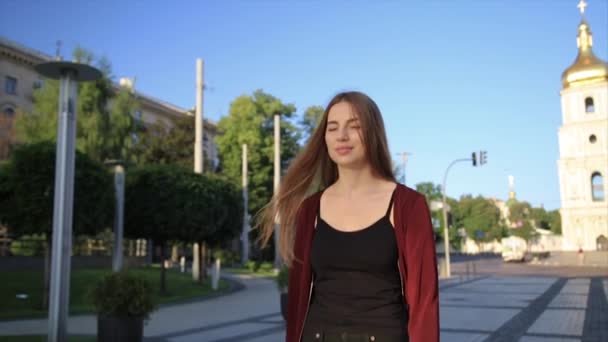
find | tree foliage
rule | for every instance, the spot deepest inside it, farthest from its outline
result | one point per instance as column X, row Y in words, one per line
column 520, row 216
column 479, row 217
column 105, row 122
column 171, row 203
column 162, row 143
column 310, row 120
column 27, row 192
column 250, row 121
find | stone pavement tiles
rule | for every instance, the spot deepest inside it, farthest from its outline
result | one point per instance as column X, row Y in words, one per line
column 494, row 308
column 529, row 309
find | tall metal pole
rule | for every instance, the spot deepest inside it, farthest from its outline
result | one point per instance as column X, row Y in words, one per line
column 198, row 155
column 404, row 159
column 68, row 74
column 245, row 233
column 119, row 184
column 277, row 179
column 446, row 240
column 198, row 140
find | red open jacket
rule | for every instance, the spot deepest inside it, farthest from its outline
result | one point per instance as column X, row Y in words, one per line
column 417, row 265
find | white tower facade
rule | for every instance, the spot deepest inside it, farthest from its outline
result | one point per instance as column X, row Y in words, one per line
column 583, row 148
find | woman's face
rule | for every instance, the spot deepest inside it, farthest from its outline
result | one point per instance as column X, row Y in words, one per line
column 343, row 136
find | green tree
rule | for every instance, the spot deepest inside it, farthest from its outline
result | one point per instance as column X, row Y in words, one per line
column 555, row 221
column 480, row 218
column 310, row 120
column 171, row 203
column 162, row 143
column 430, row 190
column 250, row 122
column 105, row 125
column 521, row 219
column 433, row 193
column 27, row 195
column 539, row 218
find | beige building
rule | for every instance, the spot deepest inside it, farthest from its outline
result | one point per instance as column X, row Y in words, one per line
column 583, row 147
column 19, row 80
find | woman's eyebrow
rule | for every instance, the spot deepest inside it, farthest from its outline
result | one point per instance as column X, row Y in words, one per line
column 347, row 121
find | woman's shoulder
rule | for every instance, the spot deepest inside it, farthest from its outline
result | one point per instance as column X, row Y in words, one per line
column 405, row 195
column 311, row 200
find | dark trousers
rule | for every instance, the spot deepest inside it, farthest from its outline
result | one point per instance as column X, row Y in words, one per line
column 314, row 335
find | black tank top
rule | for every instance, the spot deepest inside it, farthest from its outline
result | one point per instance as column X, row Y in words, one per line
column 357, row 286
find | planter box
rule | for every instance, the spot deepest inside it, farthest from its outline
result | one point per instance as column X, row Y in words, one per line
column 120, row 329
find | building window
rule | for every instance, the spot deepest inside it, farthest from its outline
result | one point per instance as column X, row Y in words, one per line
column 589, row 107
column 9, row 112
column 6, row 121
column 597, row 186
column 10, row 85
column 38, row 84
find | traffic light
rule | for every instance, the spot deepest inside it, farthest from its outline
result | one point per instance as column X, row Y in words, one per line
column 474, row 158
column 483, row 157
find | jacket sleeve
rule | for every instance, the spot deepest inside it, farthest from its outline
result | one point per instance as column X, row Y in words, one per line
column 421, row 265
column 293, row 295
column 294, row 287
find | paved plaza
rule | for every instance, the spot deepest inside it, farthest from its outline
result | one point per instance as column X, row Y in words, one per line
column 476, row 308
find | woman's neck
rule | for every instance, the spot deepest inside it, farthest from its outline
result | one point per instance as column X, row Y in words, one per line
column 353, row 182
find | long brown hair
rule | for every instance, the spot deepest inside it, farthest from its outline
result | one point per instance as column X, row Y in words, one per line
column 313, row 170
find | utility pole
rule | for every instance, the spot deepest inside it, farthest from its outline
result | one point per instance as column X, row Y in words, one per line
column 404, row 160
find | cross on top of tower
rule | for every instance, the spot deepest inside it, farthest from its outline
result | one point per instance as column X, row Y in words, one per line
column 581, row 6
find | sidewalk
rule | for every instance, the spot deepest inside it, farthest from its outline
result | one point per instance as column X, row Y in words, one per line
column 488, row 308
column 587, row 258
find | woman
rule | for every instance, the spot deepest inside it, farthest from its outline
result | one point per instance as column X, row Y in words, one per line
column 361, row 250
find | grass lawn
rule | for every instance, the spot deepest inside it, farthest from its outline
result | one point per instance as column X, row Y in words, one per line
column 180, row 288
column 40, row 338
column 246, row 271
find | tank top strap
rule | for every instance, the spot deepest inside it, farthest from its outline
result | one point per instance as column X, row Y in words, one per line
column 390, row 204
column 319, row 206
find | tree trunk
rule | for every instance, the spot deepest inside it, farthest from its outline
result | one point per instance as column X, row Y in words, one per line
column 149, row 252
column 163, row 276
column 47, row 273
column 174, row 253
column 203, row 259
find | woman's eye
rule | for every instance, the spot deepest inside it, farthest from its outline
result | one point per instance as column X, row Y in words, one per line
column 355, row 127
column 331, row 129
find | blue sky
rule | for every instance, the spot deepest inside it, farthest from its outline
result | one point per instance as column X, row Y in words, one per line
column 450, row 76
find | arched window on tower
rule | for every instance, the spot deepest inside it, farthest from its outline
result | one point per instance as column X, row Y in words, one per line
column 597, row 187
column 589, row 107
column 6, row 121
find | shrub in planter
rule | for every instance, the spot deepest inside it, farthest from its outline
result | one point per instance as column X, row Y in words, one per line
column 266, row 267
column 122, row 302
column 252, row 266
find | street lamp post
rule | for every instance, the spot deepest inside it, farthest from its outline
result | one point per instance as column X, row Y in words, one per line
column 119, row 187
column 68, row 74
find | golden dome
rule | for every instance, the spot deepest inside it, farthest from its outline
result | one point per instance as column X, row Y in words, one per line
column 587, row 68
